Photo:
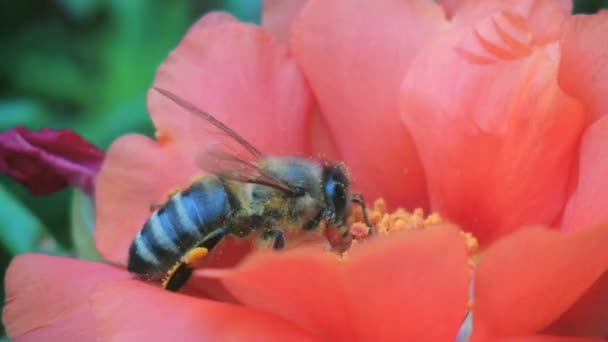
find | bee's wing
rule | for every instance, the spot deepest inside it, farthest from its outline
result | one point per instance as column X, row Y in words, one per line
column 238, row 165
column 232, row 167
column 210, row 119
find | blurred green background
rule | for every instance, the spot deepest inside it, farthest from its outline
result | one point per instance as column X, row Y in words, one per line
column 86, row 64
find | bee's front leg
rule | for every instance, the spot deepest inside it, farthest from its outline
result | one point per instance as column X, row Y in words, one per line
column 277, row 236
column 358, row 199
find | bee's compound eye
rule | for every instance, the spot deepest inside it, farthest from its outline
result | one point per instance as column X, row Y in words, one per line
column 336, row 190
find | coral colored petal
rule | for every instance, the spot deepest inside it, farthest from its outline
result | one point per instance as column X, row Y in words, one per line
column 355, row 67
column 137, row 172
column 547, row 17
column 229, row 252
column 213, row 19
column 300, row 286
column 529, row 279
column 421, row 278
column 47, row 298
column 245, row 78
column 583, row 70
column 391, row 289
column 278, row 15
column 543, row 18
column 544, row 338
column 588, row 205
column 450, row 6
column 496, row 135
column 130, row 311
column 49, row 160
column 588, row 316
column 472, row 9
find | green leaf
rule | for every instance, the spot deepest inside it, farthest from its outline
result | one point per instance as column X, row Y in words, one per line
column 82, row 217
column 20, row 230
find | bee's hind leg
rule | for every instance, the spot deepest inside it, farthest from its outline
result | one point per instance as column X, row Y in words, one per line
column 179, row 274
column 277, row 236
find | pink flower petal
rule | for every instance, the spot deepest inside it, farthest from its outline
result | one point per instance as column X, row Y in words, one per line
column 355, row 67
column 547, row 19
column 213, row 19
column 583, row 70
column 391, row 289
column 473, row 10
column 588, row 204
column 544, row 17
column 451, row 6
column 278, row 15
column 586, row 208
column 137, row 172
column 245, row 78
column 527, row 280
column 496, row 134
column 129, row 311
column 47, row 297
column 49, row 160
column 61, row 299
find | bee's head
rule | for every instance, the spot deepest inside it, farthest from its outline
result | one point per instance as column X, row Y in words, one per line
column 336, row 192
column 308, row 203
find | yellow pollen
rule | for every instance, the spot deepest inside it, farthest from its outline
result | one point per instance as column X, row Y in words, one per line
column 192, row 258
column 195, row 256
column 385, row 222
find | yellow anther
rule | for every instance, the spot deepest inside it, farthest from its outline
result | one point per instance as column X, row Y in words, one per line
column 385, row 222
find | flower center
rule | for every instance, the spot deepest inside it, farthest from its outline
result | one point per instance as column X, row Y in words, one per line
column 385, row 223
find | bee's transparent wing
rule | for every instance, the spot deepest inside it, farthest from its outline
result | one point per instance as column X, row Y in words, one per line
column 213, row 121
column 232, row 167
column 236, row 164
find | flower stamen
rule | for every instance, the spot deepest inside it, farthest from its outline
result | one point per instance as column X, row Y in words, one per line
column 385, row 223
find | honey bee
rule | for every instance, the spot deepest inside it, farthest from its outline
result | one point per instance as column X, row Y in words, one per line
column 267, row 194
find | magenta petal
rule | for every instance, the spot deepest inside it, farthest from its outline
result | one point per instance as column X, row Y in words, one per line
column 49, row 160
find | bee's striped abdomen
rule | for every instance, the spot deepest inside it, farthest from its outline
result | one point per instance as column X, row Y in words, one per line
column 185, row 219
